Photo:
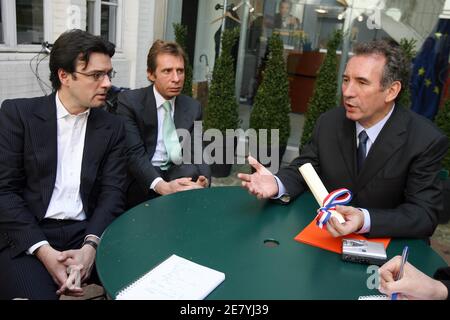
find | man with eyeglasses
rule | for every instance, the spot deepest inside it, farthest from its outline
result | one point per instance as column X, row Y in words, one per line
column 62, row 173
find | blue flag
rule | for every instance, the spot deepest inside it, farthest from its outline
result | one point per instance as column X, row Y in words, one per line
column 430, row 71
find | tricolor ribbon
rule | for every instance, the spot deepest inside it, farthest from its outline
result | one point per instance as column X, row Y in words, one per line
column 337, row 197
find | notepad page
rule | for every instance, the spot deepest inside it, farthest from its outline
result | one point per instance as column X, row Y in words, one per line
column 175, row 278
column 374, row 297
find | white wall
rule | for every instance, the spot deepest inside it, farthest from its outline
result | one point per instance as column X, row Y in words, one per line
column 16, row 78
column 145, row 37
column 420, row 15
column 446, row 10
column 60, row 16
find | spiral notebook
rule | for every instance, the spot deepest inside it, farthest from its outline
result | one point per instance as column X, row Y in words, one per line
column 374, row 297
column 176, row 278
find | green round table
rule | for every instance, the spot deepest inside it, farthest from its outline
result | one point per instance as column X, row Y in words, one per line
column 226, row 229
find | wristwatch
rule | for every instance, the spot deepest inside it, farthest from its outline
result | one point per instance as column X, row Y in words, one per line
column 91, row 243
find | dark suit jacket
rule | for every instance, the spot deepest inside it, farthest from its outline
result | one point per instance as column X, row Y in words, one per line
column 28, row 161
column 398, row 183
column 138, row 107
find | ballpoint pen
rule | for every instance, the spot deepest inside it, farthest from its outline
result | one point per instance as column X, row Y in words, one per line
column 400, row 272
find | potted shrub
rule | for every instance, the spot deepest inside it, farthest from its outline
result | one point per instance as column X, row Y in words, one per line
column 221, row 112
column 443, row 122
column 407, row 47
column 272, row 103
column 324, row 96
column 180, row 38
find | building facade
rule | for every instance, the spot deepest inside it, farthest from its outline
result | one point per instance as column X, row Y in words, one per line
column 133, row 25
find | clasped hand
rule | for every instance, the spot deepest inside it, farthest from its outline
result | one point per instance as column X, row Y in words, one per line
column 57, row 264
column 181, row 184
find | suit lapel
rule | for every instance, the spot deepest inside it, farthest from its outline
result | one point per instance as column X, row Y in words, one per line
column 43, row 131
column 148, row 112
column 181, row 116
column 347, row 146
column 95, row 142
column 148, row 108
column 390, row 139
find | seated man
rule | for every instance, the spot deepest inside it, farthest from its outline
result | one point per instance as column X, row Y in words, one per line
column 152, row 115
column 62, row 172
column 388, row 156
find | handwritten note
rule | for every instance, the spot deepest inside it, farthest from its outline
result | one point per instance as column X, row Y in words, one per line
column 174, row 279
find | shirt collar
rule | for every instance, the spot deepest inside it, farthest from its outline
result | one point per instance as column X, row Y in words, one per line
column 160, row 99
column 374, row 130
column 61, row 111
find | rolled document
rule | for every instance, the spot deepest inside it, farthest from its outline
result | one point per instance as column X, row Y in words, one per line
column 317, row 188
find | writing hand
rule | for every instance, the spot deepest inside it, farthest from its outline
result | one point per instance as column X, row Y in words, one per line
column 413, row 285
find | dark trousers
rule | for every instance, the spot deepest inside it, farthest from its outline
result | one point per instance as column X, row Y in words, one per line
column 26, row 277
column 137, row 193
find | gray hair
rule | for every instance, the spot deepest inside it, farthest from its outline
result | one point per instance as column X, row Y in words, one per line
column 397, row 67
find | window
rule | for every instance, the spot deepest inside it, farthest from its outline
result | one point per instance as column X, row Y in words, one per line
column 24, row 23
column 30, row 21
column 108, row 20
column 103, row 18
column 90, row 16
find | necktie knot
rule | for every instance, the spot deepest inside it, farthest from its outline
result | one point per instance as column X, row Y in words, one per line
column 363, row 137
column 167, row 106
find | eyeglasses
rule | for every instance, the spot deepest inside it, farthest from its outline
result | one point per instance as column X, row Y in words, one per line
column 99, row 75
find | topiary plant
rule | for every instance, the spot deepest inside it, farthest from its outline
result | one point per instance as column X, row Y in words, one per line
column 442, row 120
column 324, row 96
column 407, row 47
column 272, row 103
column 222, row 110
column 180, row 38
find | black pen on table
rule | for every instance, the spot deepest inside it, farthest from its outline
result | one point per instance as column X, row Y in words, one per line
column 400, row 272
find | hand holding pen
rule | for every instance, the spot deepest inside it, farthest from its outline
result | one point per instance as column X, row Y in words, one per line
column 402, row 280
column 400, row 272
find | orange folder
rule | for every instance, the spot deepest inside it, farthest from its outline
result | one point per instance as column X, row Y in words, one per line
column 321, row 238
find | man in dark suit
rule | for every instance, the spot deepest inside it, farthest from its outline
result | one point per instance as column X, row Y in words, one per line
column 158, row 163
column 62, row 173
column 414, row 284
column 388, row 156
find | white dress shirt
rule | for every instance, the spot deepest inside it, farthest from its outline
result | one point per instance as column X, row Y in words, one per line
column 372, row 133
column 65, row 203
column 160, row 156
